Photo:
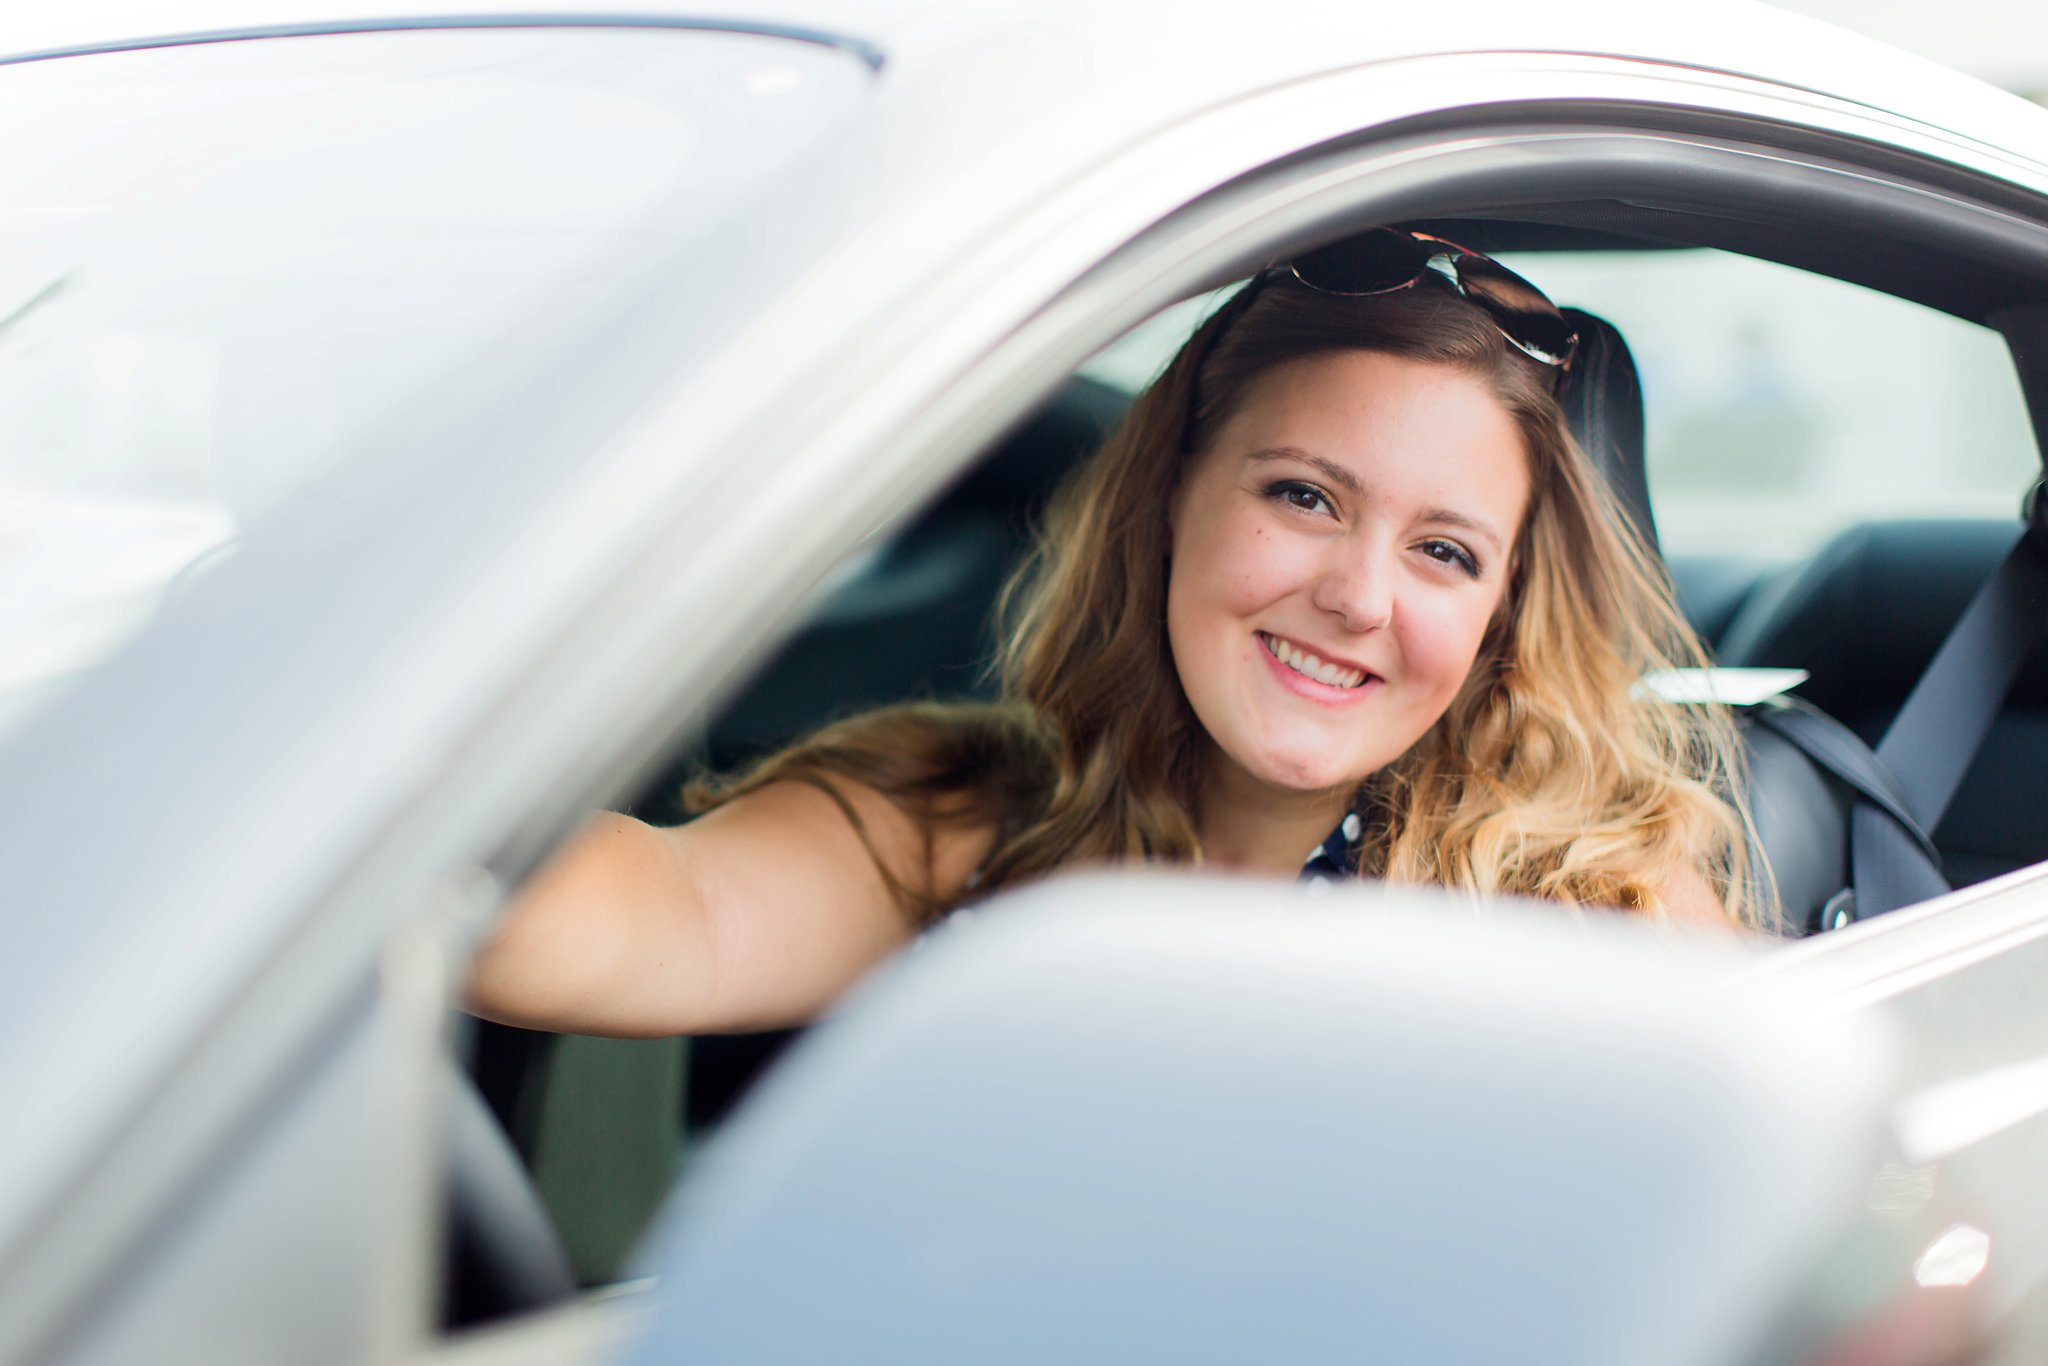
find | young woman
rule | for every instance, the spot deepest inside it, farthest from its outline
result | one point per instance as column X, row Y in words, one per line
column 1341, row 587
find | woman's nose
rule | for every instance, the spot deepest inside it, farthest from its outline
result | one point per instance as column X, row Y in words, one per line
column 1358, row 588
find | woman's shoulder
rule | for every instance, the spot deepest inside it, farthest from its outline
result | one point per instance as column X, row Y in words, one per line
column 928, row 857
column 930, row 788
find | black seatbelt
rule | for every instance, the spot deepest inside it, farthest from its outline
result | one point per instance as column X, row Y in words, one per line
column 1841, row 751
column 1931, row 742
column 1834, row 748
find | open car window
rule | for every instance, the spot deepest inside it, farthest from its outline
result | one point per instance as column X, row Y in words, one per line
column 1782, row 406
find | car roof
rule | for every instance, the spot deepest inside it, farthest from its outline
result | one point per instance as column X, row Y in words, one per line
column 1182, row 63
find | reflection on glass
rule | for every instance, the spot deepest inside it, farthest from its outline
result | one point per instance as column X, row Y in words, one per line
column 1957, row 1257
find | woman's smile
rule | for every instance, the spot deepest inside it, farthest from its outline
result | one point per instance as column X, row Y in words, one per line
column 1339, row 550
column 1305, row 672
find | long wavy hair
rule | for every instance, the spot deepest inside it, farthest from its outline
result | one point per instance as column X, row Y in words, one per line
column 1552, row 773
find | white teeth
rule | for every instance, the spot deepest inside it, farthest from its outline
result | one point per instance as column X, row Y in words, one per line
column 1306, row 664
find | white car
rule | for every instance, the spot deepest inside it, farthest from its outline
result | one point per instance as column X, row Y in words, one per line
column 419, row 430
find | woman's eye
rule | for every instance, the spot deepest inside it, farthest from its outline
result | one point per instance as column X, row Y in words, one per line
column 1295, row 494
column 1450, row 552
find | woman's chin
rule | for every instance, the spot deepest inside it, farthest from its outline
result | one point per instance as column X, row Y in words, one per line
column 1306, row 774
column 1303, row 763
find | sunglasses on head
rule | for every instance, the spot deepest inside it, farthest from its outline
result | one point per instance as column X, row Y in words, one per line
column 1386, row 259
column 1383, row 260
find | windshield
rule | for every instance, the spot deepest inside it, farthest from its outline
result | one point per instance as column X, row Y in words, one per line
column 225, row 263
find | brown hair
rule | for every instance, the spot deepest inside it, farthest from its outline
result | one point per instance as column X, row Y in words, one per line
column 1550, row 774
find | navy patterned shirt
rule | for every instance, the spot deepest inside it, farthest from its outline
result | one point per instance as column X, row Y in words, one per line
column 1337, row 856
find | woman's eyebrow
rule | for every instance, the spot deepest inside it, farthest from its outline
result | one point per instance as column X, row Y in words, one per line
column 1446, row 517
column 1330, row 469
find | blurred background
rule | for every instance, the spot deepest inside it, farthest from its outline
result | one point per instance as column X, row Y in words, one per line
column 2002, row 41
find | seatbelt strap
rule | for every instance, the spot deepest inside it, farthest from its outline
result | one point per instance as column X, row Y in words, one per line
column 1759, row 695
column 1841, row 751
column 1890, row 839
column 1931, row 742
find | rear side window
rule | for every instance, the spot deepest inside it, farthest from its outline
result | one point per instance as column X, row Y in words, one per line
column 1782, row 406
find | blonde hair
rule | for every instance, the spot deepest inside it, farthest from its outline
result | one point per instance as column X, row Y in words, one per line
column 1551, row 773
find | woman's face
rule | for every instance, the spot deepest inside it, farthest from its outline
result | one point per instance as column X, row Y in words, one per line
column 1337, row 553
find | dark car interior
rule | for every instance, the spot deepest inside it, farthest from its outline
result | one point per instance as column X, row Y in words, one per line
column 1863, row 616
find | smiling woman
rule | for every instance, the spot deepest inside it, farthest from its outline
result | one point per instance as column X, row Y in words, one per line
column 1341, row 585
column 1354, row 518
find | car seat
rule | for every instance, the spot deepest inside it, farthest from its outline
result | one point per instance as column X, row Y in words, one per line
column 1864, row 616
column 1800, row 811
column 1602, row 398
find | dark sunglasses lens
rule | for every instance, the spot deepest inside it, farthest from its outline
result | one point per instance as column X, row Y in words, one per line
column 1372, row 263
column 1520, row 309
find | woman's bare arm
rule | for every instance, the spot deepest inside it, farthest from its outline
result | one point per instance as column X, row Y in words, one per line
column 754, row 916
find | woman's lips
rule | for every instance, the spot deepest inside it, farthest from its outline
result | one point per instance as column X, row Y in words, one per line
column 1272, row 647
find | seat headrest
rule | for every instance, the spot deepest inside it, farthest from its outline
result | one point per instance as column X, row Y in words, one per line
column 1602, row 399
